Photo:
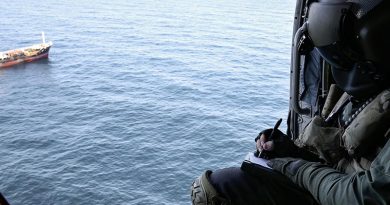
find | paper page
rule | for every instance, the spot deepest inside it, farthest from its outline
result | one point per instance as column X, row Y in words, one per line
column 260, row 161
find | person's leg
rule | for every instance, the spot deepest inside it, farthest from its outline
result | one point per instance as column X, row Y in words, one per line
column 252, row 186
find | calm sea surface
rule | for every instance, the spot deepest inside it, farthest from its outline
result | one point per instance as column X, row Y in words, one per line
column 138, row 98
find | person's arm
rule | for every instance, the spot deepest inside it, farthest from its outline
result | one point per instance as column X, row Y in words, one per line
column 329, row 186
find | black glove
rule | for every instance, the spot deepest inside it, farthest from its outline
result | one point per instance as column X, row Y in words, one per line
column 283, row 147
column 267, row 132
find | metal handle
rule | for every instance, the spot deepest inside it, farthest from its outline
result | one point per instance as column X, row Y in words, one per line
column 295, row 71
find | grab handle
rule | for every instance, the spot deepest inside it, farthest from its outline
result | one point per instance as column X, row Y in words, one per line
column 295, row 73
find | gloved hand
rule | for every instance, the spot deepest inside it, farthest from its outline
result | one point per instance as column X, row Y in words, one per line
column 277, row 145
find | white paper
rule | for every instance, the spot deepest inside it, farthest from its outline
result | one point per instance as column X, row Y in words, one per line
column 260, row 161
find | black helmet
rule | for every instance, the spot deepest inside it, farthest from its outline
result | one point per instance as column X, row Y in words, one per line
column 354, row 37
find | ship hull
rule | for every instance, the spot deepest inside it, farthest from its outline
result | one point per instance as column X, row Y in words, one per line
column 28, row 54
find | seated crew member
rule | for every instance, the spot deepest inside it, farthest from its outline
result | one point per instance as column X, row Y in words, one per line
column 351, row 165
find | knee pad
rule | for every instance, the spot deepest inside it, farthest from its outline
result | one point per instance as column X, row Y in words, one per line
column 203, row 192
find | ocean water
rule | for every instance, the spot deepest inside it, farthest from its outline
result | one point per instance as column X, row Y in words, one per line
column 137, row 98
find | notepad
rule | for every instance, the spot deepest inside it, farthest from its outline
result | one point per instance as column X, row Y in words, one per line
column 260, row 161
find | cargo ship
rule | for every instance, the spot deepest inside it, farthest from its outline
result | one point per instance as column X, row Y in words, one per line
column 26, row 54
